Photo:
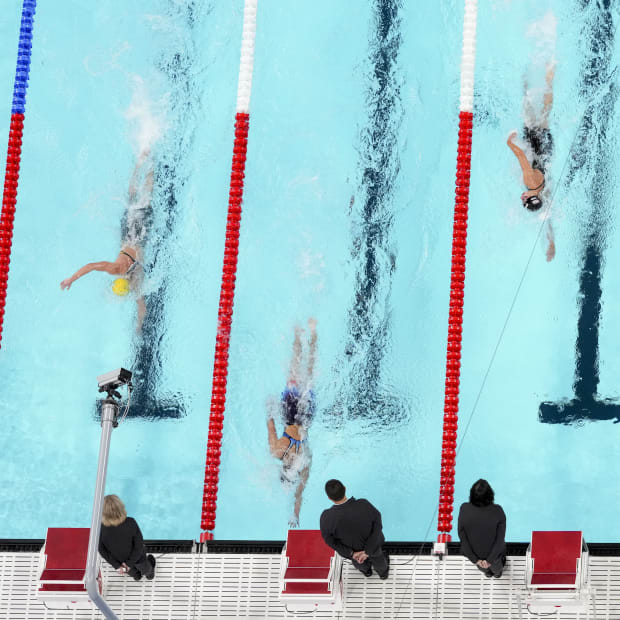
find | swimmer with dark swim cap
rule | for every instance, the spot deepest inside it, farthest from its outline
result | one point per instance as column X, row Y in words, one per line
column 536, row 133
column 296, row 407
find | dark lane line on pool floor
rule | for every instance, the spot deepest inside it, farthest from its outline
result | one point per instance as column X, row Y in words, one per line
column 594, row 133
column 363, row 391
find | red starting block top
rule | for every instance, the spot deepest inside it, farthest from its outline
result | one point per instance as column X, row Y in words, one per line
column 66, row 547
column 309, row 561
column 555, row 556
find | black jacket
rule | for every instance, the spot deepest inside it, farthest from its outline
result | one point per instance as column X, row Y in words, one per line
column 482, row 530
column 122, row 543
column 352, row 526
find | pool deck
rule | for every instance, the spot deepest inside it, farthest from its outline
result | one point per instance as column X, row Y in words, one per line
column 213, row 585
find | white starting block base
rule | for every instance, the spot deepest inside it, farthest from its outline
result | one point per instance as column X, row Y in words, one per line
column 310, row 604
column 310, row 574
column 555, row 602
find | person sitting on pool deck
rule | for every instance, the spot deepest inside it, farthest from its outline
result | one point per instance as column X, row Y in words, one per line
column 297, row 410
column 128, row 263
column 482, row 528
column 537, row 134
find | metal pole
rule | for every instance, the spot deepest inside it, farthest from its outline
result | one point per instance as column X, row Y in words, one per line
column 109, row 411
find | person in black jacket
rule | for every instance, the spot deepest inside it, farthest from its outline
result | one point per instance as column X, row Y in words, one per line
column 121, row 543
column 353, row 528
column 482, row 528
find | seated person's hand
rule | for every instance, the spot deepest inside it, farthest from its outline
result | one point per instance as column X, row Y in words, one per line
column 123, row 569
column 360, row 556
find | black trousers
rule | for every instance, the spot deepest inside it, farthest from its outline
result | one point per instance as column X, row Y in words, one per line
column 378, row 561
column 143, row 566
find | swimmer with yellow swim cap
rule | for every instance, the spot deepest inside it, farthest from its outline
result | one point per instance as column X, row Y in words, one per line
column 127, row 265
column 120, row 287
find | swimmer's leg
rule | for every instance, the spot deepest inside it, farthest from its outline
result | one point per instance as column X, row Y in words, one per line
column 296, row 359
column 548, row 96
column 529, row 115
column 144, row 164
column 312, row 352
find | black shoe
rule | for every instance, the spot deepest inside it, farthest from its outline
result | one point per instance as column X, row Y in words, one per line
column 488, row 573
column 498, row 576
column 387, row 572
column 151, row 559
column 138, row 576
column 368, row 573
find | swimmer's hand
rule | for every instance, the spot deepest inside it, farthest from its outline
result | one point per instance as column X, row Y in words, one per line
column 312, row 324
column 271, row 405
column 511, row 136
column 66, row 284
column 293, row 522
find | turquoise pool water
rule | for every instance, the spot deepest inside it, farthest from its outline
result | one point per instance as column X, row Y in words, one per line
column 347, row 218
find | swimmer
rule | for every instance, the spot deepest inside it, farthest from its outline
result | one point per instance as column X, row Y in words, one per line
column 128, row 263
column 537, row 134
column 296, row 407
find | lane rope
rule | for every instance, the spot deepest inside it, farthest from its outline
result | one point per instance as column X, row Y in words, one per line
column 457, row 278
column 14, row 151
column 229, row 272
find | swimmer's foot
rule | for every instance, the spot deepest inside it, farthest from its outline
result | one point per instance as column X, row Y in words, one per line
column 512, row 135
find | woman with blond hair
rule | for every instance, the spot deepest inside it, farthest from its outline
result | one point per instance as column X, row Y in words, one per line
column 121, row 543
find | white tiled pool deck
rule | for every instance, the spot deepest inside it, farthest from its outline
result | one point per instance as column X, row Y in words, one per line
column 192, row 586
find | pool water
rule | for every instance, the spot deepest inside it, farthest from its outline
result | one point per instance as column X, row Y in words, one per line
column 347, row 218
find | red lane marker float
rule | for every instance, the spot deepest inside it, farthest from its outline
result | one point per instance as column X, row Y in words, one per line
column 11, row 175
column 457, row 280
column 229, row 270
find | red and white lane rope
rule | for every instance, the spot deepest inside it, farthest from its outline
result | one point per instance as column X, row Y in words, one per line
column 227, row 291
column 457, row 280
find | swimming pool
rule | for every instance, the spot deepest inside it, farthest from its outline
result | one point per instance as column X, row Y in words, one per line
column 347, row 218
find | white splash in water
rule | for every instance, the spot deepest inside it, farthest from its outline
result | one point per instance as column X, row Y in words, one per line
column 146, row 119
column 543, row 35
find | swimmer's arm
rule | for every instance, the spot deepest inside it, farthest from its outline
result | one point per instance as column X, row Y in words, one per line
column 303, row 478
column 111, row 268
column 520, row 155
column 273, row 436
column 551, row 246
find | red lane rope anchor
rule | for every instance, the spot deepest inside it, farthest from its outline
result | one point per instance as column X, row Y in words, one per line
column 224, row 322
column 455, row 329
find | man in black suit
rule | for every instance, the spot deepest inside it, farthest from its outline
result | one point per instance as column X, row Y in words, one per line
column 353, row 528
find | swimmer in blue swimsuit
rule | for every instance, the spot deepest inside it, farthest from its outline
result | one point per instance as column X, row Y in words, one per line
column 128, row 263
column 297, row 407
